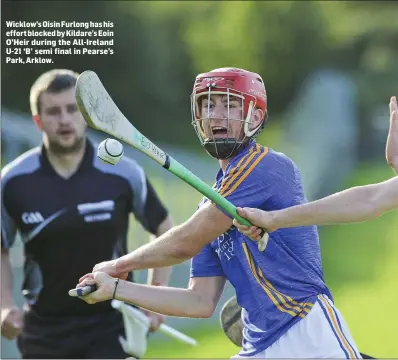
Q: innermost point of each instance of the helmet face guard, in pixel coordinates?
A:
(220, 136)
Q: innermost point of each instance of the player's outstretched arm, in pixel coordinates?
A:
(198, 301)
(177, 245)
(392, 139)
(356, 204)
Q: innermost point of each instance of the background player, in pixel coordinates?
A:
(356, 204)
(72, 211)
(287, 308)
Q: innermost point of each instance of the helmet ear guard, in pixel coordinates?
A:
(254, 132)
(249, 133)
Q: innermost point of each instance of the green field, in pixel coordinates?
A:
(360, 264)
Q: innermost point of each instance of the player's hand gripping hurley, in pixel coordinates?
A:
(101, 113)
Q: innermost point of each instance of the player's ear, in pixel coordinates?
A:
(37, 121)
(257, 117)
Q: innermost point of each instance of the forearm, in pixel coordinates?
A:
(180, 243)
(353, 205)
(164, 300)
(167, 250)
(7, 299)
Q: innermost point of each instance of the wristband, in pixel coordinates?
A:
(114, 291)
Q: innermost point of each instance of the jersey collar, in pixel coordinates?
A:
(235, 160)
(86, 163)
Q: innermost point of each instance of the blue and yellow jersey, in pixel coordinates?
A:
(277, 287)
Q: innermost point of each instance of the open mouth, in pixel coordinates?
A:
(219, 131)
(65, 132)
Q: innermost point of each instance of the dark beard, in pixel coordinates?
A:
(56, 148)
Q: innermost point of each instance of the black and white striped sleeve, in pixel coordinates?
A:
(8, 226)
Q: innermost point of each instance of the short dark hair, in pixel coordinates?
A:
(52, 81)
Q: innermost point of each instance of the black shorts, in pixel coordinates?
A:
(91, 337)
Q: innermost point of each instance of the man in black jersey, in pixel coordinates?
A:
(72, 211)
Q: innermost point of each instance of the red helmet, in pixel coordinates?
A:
(247, 86)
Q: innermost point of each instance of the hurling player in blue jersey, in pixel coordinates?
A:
(288, 310)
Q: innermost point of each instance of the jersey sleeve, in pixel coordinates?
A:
(8, 225)
(206, 263)
(263, 180)
(146, 205)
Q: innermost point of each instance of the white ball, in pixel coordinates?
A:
(110, 151)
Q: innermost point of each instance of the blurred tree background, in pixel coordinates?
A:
(160, 46)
